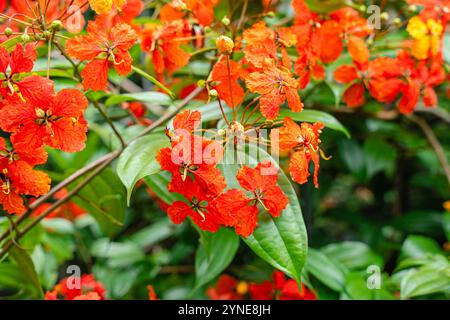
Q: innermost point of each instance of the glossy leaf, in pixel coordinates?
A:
(138, 160)
(282, 241)
(214, 254)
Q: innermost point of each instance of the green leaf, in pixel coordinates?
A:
(353, 156)
(352, 255)
(306, 115)
(282, 241)
(427, 280)
(325, 6)
(210, 111)
(214, 254)
(158, 184)
(356, 287)
(419, 247)
(325, 270)
(379, 156)
(104, 198)
(158, 98)
(10, 44)
(154, 233)
(315, 116)
(26, 266)
(119, 254)
(138, 160)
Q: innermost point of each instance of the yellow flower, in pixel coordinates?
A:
(417, 28)
(420, 48)
(435, 27)
(446, 205)
(105, 6)
(426, 36)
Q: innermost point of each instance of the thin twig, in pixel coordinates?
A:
(109, 121)
(434, 142)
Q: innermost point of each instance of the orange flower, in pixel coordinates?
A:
(162, 43)
(55, 120)
(260, 44)
(303, 141)
(226, 288)
(102, 49)
(202, 10)
(276, 85)
(89, 289)
(226, 83)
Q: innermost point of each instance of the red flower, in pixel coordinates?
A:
(304, 142)
(192, 156)
(381, 76)
(198, 206)
(202, 10)
(151, 293)
(66, 289)
(226, 83)
(276, 85)
(240, 210)
(227, 288)
(54, 120)
(18, 176)
(12, 86)
(280, 289)
(17, 162)
(103, 48)
(165, 48)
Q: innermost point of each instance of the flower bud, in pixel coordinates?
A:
(47, 34)
(225, 21)
(270, 14)
(412, 8)
(57, 25)
(8, 32)
(25, 38)
(207, 29)
(224, 44)
(397, 22)
(384, 16)
(201, 83)
(213, 93)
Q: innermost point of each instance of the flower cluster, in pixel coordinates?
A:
(84, 288)
(192, 161)
(34, 116)
(280, 288)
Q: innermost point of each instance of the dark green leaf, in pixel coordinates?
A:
(214, 254)
(26, 266)
(325, 270)
(282, 241)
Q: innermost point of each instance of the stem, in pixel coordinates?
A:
(111, 124)
(152, 80)
(200, 51)
(230, 86)
(53, 207)
(74, 65)
(170, 114)
(223, 113)
(58, 187)
(434, 142)
(108, 158)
